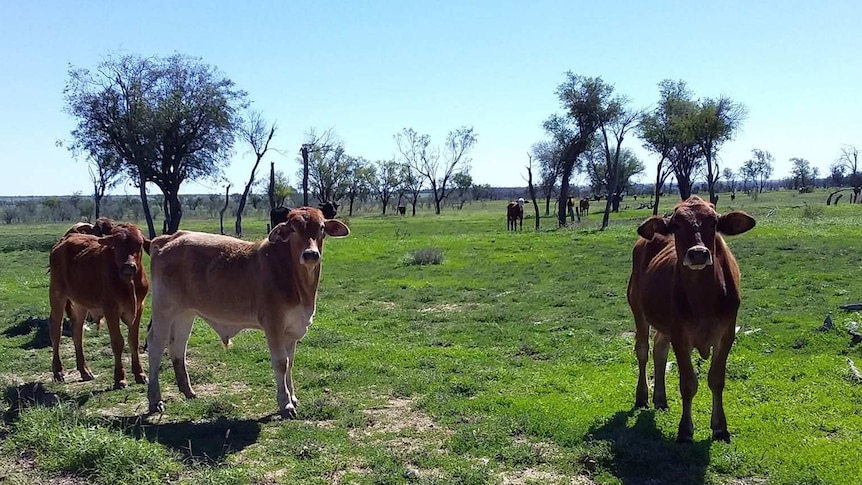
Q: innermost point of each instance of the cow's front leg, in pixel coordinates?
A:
(688, 388)
(112, 318)
(180, 332)
(717, 372)
(76, 320)
(291, 352)
(55, 330)
(275, 339)
(134, 342)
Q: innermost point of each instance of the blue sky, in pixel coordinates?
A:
(369, 68)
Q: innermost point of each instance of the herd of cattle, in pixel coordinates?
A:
(684, 284)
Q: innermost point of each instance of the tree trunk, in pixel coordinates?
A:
(561, 202)
(304, 176)
(175, 211)
(548, 204)
(97, 202)
(684, 186)
(223, 209)
(350, 208)
(145, 204)
(385, 201)
(271, 190)
(532, 192)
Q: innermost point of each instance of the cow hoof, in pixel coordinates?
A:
(641, 405)
(59, 377)
(141, 379)
(295, 402)
(190, 395)
(86, 375)
(121, 384)
(661, 406)
(684, 439)
(159, 407)
(721, 435)
(289, 412)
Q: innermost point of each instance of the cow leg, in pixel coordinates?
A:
(55, 329)
(77, 315)
(687, 387)
(716, 384)
(157, 340)
(180, 332)
(661, 345)
(112, 318)
(134, 342)
(291, 351)
(278, 356)
(642, 352)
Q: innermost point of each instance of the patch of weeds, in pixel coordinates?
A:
(219, 408)
(64, 440)
(424, 256)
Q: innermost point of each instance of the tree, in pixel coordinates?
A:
(531, 188)
(801, 172)
(412, 185)
(359, 175)
(169, 119)
(836, 173)
(463, 182)
(386, 180)
(224, 208)
(614, 123)
(105, 172)
(328, 170)
(730, 176)
(426, 161)
(584, 100)
(715, 122)
(748, 173)
(314, 143)
(760, 167)
(849, 159)
(547, 153)
(258, 134)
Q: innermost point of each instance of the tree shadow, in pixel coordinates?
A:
(208, 441)
(38, 329)
(642, 455)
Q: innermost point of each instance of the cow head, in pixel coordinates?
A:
(103, 226)
(304, 232)
(126, 241)
(694, 224)
(329, 208)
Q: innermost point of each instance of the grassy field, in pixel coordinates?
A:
(510, 362)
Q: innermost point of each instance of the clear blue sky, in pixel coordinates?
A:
(370, 68)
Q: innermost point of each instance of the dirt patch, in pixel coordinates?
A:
(448, 308)
(22, 471)
(399, 415)
(534, 476)
(628, 334)
(386, 305)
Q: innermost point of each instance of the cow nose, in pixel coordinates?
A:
(129, 269)
(698, 256)
(310, 256)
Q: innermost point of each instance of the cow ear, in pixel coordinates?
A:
(336, 228)
(281, 232)
(652, 226)
(734, 223)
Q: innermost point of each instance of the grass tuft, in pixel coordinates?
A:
(424, 256)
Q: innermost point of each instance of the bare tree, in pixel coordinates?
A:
(314, 143)
(548, 154)
(224, 208)
(614, 124)
(531, 188)
(359, 175)
(328, 168)
(258, 134)
(105, 171)
(426, 161)
(715, 122)
(386, 181)
(412, 185)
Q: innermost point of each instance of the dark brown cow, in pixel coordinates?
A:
(584, 206)
(105, 274)
(515, 214)
(329, 209)
(232, 284)
(685, 284)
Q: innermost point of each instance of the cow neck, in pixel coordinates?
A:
(298, 282)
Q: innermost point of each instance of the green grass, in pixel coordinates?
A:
(509, 361)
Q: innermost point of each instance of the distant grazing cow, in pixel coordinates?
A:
(233, 285)
(402, 210)
(584, 205)
(105, 274)
(515, 214)
(329, 208)
(685, 284)
(277, 215)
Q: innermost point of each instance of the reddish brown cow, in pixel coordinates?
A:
(233, 285)
(515, 214)
(685, 284)
(104, 273)
(102, 227)
(584, 206)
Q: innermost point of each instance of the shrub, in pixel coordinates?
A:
(422, 257)
(812, 212)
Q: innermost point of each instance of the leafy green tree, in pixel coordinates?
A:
(385, 181)
(801, 172)
(169, 119)
(715, 122)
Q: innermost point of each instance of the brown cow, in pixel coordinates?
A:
(105, 274)
(233, 285)
(515, 214)
(102, 227)
(685, 284)
(584, 206)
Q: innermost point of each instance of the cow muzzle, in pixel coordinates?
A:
(128, 269)
(697, 258)
(310, 257)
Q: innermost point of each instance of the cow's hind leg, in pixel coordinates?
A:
(291, 352)
(661, 345)
(112, 318)
(716, 384)
(180, 332)
(687, 387)
(642, 352)
(55, 329)
(77, 315)
(158, 334)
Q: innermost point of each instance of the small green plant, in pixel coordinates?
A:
(812, 212)
(422, 257)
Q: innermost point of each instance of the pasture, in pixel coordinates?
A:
(510, 362)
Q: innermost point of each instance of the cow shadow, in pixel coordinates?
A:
(208, 442)
(31, 394)
(36, 327)
(642, 455)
